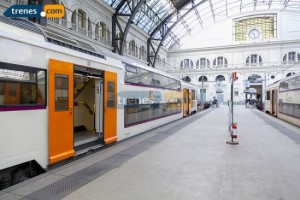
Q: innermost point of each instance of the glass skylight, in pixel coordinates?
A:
(192, 19)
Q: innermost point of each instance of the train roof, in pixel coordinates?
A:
(276, 83)
(290, 77)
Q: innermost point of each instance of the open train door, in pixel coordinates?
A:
(110, 107)
(190, 101)
(60, 111)
(274, 102)
(185, 102)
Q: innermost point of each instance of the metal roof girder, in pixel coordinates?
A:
(285, 3)
(120, 5)
(128, 24)
(270, 3)
(115, 39)
(254, 4)
(212, 10)
(170, 28)
(116, 23)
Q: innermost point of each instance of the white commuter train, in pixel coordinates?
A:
(59, 97)
(283, 99)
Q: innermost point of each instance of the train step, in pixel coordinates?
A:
(86, 150)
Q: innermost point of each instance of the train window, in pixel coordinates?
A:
(144, 77)
(140, 113)
(283, 86)
(110, 94)
(131, 69)
(156, 80)
(165, 82)
(2, 84)
(131, 75)
(61, 92)
(291, 84)
(289, 105)
(294, 83)
(21, 86)
(13, 89)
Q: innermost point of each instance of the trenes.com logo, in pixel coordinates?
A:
(50, 10)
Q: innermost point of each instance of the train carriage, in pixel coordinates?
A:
(289, 100)
(60, 98)
(283, 99)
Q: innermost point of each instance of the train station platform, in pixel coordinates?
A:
(186, 159)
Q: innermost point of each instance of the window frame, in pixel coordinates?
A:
(155, 81)
(220, 76)
(291, 57)
(186, 64)
(220, 62)
(34, 106)
(254, 60)
(141, 110)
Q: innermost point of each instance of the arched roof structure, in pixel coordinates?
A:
(167, 22)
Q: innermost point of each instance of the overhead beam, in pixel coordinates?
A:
(285, 4)
(134, 8)
(226, 7)
(241, 6)
(197, 14)
(128, 25)
(270, 3)
(254, 4)
(185, 25)
(167, 31)
(120, 5)
(212, 10)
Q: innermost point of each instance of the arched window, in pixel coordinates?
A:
(73, 20)
(78, 21)
(220, 78)
(132, 48)
(255, 78)
(142, 53)
(90, 28)
(290, 74)
(202, 63)
(204, 78)
(187, 79)
(101, 32)
(186, 64)
(254, 60)
(220, 62)
(291, 58)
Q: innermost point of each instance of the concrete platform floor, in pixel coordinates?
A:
(188, 159)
